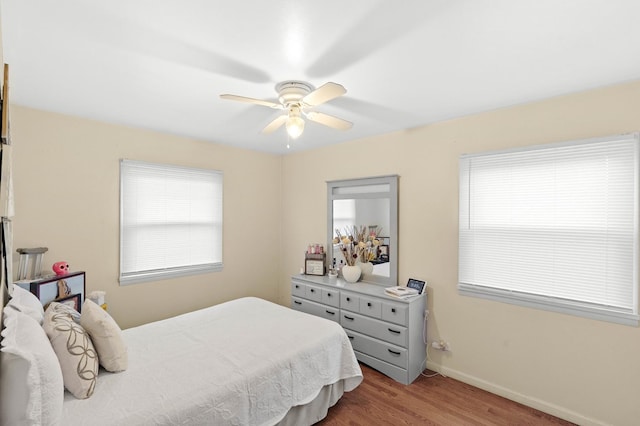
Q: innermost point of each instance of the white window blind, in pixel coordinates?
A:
(344, 214)
(553, 227)
(170, 221)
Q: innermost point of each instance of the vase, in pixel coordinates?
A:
(351, 273)
(366, 268)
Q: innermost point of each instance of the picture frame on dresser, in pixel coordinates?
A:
(58, 287)
(315, 264)
(384, 252)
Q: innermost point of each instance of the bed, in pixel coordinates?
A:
(244, 362)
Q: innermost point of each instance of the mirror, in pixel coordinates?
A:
(370, 205)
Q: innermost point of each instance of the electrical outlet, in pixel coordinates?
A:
(441, 345)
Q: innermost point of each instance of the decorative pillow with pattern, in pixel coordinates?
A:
(75, 315)
(74, 349)
(105, 335)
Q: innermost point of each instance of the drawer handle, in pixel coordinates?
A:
(393, 310)
(313, 291)
(393, 352)
(394, 331)
(297, 286)
(329, 312)
(348, 299)
(369, 304)
(349, 318)
(328, 294)
(297, 302)
(350, 337)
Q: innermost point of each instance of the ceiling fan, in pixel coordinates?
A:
(297, 98)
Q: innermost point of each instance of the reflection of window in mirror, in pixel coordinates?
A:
(344, 214)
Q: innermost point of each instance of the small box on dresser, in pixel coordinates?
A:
(386, 333)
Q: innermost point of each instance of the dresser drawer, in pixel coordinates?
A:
(375, 328)
(301, 305)
(298, 289)
(316, 309)
(331, 297)
(370, 307)
(313, 293)
(395, 313)
(381, 350)
(349, 301)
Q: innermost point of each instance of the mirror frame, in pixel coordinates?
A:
(341, 189)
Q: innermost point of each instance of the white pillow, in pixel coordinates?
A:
(76, 354)
(26, 302)
(31, 381)
(105, 335)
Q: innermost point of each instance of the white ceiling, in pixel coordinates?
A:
(162, 64)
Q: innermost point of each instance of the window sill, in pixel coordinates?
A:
(136, 278)
(570, 307)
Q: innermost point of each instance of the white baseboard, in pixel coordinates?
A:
(529, 401)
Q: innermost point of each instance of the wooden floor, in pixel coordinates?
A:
(380, 400)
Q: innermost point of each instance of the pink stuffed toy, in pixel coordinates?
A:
(61, 268)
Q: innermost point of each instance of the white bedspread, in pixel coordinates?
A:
(244, 362)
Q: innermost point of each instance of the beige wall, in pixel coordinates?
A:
(66, 175)
(584, 370)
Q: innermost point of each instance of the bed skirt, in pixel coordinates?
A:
(315, 410)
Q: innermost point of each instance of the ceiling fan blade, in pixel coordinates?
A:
(251, 101)
(324, 93)
(329, 120)
(275, 124)
(357, 43)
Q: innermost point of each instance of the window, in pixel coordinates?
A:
(344, 214)
(170, 221)
(553, 227)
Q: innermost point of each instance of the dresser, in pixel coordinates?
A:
(386, 333)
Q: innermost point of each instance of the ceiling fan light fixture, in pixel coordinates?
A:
(297, 98)
(295, 126)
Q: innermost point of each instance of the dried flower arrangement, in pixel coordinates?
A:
(358, 243)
